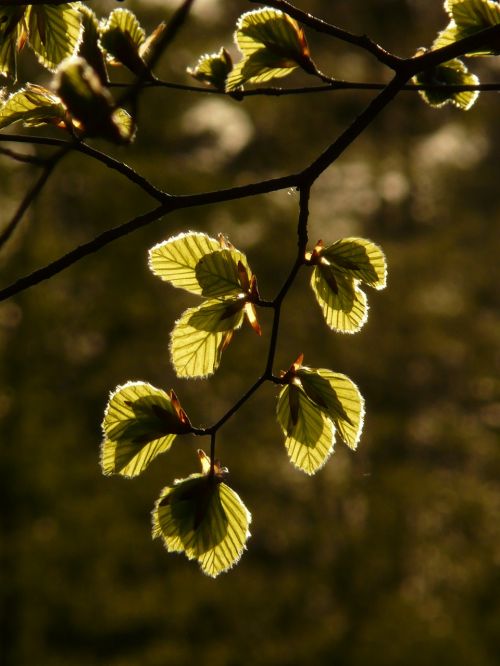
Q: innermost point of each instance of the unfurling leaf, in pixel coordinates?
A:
(140, 422)
(453, 72)
(90, 103)
(467, 18)
(122, 37)
(199, 264)
(32, 106)
(338, 397)
(205, 519)
(339, 269)
(272, 45)
(55, 32)
(213, 69)
(201, 335)
(314, 404)
(309, 433)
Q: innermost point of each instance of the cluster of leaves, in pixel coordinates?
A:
(467, 17)
(200, 515)
(69, 40)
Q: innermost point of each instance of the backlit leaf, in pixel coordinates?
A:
(121, 37)
(453, 72)
(90, 103)
(343, 303)
(467, 18)
(272, 45)
(32, 106)
(140, 422)
(197, 263)
(310, 434)
(213, 68)
(55, 32)
(205, 519)
(338, 270)
(201, 335)
(338, 397)
(358, 258)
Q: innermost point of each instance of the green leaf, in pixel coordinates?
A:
(453, 72)
(213, 68)
(467, 18)
(272, 45)
(140, 422)
(358, 258)
(310, 434)
(199, 264)
(90, 103)
(338, 270)
(205, 519)
(343, 303)
(12, 38)
(89, 48)
(201, 335)
(122, 37)
(55, 32)
(32, 106)
(338, 397)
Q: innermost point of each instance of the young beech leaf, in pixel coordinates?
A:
(338, 271)
(12, 38)
(199, 264)
(201, 335)
(32, 106)
(213, 69)
(338, 397)
(90, 103)
(205, 519)
(89, 48)
(140, 422)
(453, 72)
(272, 45)
(122, 37)
(55, 32)
(467, 18)
(310, 434)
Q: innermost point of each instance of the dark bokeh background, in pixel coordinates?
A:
(387, 556)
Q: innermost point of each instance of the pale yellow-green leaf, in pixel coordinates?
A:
(467, 18)
(344, 305)
(55, 32)
(124, 124)
(339, 397)
(453, 72)
(201, 334)
(272, 45)
(205, 519)
(197, 263)
(32, 106)
(309, 432)
(122, 37)
(358, 258)
(213, 68)
(140, 422)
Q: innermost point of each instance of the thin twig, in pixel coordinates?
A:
(31, 195)
(105, 159)
(362, 41)
(21, 157)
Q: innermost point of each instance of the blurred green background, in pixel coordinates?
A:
(387, 556)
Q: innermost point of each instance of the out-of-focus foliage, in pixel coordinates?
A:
(384, 558)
